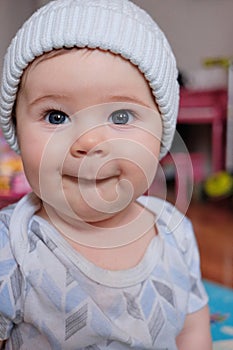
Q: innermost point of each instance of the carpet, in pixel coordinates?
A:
(221, 310)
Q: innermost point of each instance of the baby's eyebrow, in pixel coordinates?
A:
(129, 99)
(45, 97)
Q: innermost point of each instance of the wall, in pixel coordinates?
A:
(12, 14)
(196, 28)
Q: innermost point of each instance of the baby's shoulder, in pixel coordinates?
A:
(171, 223)
(5, 216)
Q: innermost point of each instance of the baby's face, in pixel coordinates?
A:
(89, 133)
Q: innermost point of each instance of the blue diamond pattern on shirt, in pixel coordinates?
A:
(156, 323)
(16, 285)
(16, 339)
(164, 291)
(100, 324)
(76, 321)
(194, 287)
(74, 297)
(69, 278)
(147, 298)
(51, 290)
(6, 267)
(133, 307)
(3, 326)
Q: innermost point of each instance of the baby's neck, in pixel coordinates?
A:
(117, 258)
(112, 248)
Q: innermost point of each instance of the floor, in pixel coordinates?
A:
(213, 225)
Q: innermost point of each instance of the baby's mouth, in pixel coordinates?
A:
(100, 180)
(96, 189)
(88, 180)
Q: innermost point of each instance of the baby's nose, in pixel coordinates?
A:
(92, 143)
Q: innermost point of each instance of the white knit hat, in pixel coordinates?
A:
(115, 25)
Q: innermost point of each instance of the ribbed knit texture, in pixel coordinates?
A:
(115, 25)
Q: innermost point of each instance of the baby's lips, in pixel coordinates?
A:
(93, 175)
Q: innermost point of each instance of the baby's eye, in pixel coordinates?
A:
(57, 117)
(122, 117)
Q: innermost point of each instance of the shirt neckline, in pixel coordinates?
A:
(110, 278)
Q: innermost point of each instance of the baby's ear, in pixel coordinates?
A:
(13, 115)
(14, 119)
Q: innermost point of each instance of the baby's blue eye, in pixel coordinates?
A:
(121, 117)
(57, 117)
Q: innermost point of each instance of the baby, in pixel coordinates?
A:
(89, 98)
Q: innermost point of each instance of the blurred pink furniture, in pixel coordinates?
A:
(207, 107)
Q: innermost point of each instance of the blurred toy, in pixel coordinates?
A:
(219, 186)
(218, 317)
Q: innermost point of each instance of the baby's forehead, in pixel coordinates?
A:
(88, 56)
(51, 54)
(82, 53)
(42, 58)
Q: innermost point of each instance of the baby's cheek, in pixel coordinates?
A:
(31, 169)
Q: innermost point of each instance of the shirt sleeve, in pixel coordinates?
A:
(197, 295)
(10, 286)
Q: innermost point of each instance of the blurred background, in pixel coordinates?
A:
(198, 173)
